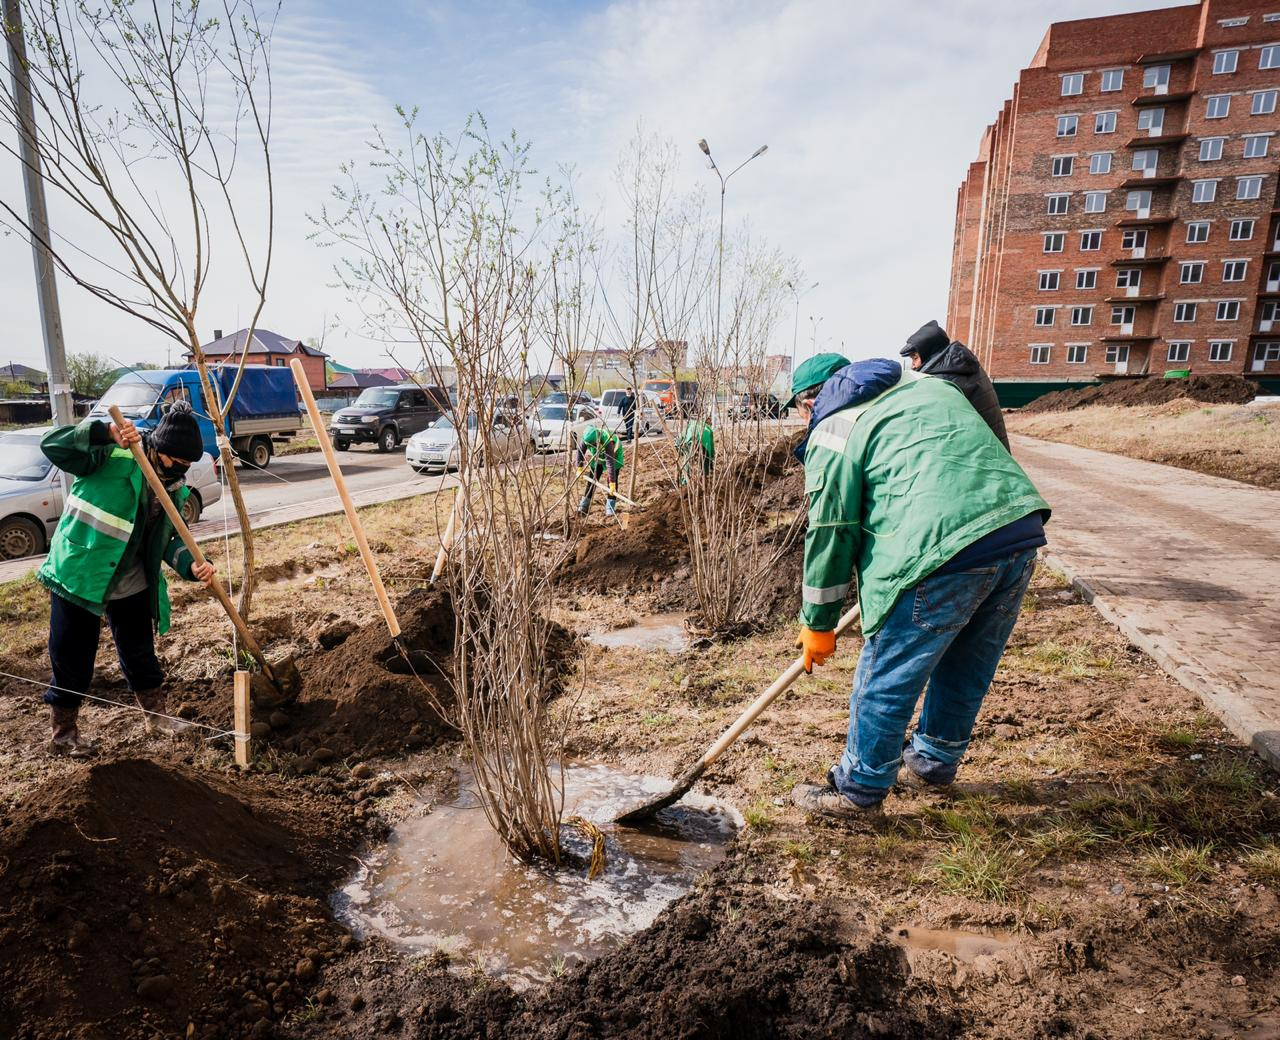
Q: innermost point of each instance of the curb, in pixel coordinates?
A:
(1232, 708)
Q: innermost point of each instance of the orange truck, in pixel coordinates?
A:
(675, 397)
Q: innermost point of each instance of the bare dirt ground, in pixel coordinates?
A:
(1108, 866)
(1234, 441)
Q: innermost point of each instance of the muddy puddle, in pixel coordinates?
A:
(444, 881)
(962, 945)
(655, 632)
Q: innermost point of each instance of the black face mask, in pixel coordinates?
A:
(174, 472)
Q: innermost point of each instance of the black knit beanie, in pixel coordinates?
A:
(177, 434)
(929, 339)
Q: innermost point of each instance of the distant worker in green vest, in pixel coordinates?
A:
(600, 450)
(105, 562)
(696, 444)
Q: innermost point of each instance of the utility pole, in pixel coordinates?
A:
(55, 354)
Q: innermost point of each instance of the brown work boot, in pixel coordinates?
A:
(66, 734)
(158, 721)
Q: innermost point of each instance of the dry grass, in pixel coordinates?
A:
(1234, 441)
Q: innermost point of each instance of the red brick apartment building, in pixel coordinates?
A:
(1122, 214)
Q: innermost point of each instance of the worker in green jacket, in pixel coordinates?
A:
(696, 444)
(600, 450)
(105, 558)
(910, 493)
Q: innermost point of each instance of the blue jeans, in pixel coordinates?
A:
(948, 632)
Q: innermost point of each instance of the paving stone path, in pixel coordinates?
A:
(1187, 565)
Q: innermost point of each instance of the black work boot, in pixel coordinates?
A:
(158, 720)
(66, 734)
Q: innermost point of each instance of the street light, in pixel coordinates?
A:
(814, 323)
(795, 332)
(724, 182)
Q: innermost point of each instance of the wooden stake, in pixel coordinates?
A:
(242, 717)
(357, 528)
(447, 540)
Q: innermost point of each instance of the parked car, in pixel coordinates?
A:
(264, 409)
(756, 406)
(647, 422)
(387, 416)
(31, 493)
(438, 448)
(565, 397)
(558, 427)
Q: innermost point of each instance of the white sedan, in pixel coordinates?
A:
(437, 447)
(555, 429)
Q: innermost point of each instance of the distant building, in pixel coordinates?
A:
(32, 377)
(358, 380)
(1121, 216)
(268, 348)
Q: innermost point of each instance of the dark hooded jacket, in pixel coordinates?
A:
(957, 364)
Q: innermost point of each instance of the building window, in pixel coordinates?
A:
(1270, 311)
(1063, 165)
(1057, 204)
(1055, 242)
(1049, 280)
(1256, 146)
(1138, 201)
(1179, 351)
(1225, 61)
(1146, 158)
(1191, 273)
(1204, 191)
(1073, 84)
(1044, 316)
(1151, 120)
(1219, 350)
(1264, 103)
(1267, 352)
(1067, 125)
(1095, 201)
(1233, 23)
(1090, 240)
(1228, 310)
(1134, 238)
(1128, 278)
(1234, 270)
(1217, 106)
(1211, 149)
(1104, 122)
(1184, 312)
(1081, 315)
(1117, 353)
(1112, 80)
(1241, 230)
(1077, 353)
(1156, 77)
(1269, 57)
(1040, 353)
(1198, 231)
(1123, 315)
(1100, 162)
(1248, 187)
(1087, 279)
(1271, 17)
(1273, 275)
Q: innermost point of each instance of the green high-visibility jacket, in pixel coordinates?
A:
(97, 533)
(896, 487)
(598, 444)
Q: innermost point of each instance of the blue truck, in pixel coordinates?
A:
(265, 408)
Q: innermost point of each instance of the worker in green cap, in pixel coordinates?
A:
(696, 445)
(910, 493)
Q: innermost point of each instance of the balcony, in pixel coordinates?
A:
(1141, 261)
(1168, 58)
(1128, 337)
(1148, 298)
(1149, 182)
(1145, 221)
(1161, 99)
(1151, 142)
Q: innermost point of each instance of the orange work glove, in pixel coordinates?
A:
(816, 647)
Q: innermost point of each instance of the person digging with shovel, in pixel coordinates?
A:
(105, 559)
(604, 449)
(910, 492)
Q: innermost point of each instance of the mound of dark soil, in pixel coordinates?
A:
(143, 898)
(614, 559)
(1150, 390)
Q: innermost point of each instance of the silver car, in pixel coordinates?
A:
(31, 493)
(437, 447)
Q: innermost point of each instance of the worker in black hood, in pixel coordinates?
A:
(932, 351)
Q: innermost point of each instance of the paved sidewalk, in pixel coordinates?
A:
(1186, 565)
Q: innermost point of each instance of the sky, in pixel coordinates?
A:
(872, 111)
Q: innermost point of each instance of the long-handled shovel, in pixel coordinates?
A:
(686, 782)
(284, 674)
(357, 528)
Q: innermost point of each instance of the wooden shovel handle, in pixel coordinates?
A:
(357, 528)
(780, 684)
(179, 525)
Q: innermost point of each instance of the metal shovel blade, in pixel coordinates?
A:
(643, 813)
